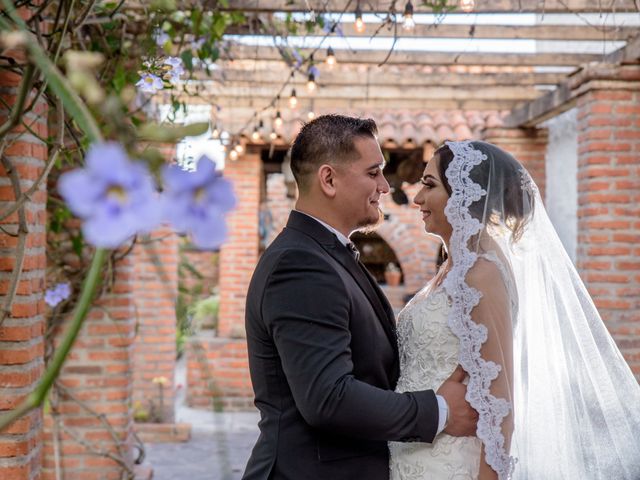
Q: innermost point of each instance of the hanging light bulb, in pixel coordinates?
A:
(293, 100)
(331, 58)
(311, 82)
(360, 26)
(255, 136)
(233, 155)
(408, 23)
(311, 115)
(273, 135)
(215, 133)
(239, 149)
(467, 5)
(278, 120)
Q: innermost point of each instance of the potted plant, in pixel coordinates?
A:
(392, 275)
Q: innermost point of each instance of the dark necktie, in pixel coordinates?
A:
(354, 251)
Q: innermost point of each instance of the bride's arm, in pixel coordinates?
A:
(494, 312)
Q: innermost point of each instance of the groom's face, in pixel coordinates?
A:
(360, 185)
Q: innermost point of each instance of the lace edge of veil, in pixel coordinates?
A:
(471, 335)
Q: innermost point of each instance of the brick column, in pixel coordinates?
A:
(154, 291)
(217, 367)
(21, 333)
(527, 145)
(608, 198)
(98, 378)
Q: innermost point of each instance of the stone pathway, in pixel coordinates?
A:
(219, 447)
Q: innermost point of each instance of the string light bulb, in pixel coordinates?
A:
(408, 23)
(311, 82)
(273, 135)
(360, 26)
(278, 120)
(311, 115)
(215, 133)
(293, 99)
(255, 136)
(467, 5)
(331, 58)
(239, 149)
(233, 155)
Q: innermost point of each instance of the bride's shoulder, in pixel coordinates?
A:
(485, 274)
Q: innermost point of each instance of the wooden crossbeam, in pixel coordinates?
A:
(517, 93)
(535, 32)
(427, 58)
(375, 76)
(482, 6)
(328, 104)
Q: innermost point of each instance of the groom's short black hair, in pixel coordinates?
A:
(327, 140)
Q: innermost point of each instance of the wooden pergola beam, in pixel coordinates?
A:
(384, 92)
(376, 57)
(228, 103)
(534, 32)
(374, 76)
(484, 6)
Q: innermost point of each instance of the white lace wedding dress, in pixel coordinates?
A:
(428, 355)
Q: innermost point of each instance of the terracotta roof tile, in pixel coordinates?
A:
(401, 127)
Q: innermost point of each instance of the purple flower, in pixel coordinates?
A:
(114, 196)
(53, 296)
(298, 58)
(197, 44)
(161, 37)
(149, 83)
(196, 202)
(177, 69)
(314, 70)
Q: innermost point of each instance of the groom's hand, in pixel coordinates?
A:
(463, 419)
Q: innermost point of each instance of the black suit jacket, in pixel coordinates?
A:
(324, 361)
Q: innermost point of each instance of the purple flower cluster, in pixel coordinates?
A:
(116, 199)
(53, 296)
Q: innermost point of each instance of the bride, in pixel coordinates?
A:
(555, 398)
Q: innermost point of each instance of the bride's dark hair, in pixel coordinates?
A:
(511, 200)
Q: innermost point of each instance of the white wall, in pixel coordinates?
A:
(561, 178)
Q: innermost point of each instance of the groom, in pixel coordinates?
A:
(321, 335)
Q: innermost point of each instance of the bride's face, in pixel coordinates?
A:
(432, 198)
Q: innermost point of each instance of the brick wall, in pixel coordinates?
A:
(21, 334)
(217, 367)
(608, 213)
(239, 254)
(98, 379)
(154, 291)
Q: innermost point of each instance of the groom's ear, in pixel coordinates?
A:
(327, 178)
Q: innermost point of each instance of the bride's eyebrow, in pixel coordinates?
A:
(428, 177)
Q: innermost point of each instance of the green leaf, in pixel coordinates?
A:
(77, 243)
(187, 59)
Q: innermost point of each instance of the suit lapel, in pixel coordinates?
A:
(363, 278)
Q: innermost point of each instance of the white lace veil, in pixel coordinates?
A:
(555, 396)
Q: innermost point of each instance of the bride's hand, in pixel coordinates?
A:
(463, 419)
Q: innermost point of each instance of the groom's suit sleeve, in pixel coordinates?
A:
(306, 309)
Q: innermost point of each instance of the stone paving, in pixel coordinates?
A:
(219, 447)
